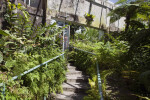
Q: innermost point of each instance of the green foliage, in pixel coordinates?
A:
(137, 14)
(142, 97)
(136, 11)
(109, 56)
(104, 75)
(144, 80)
(109, 53)
(89, 18)
(25, 46)
(127, 53)
(93, 93)
(88, 35)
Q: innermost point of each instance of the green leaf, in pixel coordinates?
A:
(5, 33)
(25, 15)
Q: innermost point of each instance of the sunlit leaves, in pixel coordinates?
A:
(24, 46)
(4, 32)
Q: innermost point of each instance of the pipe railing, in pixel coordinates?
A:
(26, 72)
(98, 73)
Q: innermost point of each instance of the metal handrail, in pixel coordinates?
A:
(98, 73)
(26, 72)
(84, 51)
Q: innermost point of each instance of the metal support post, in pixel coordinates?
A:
(63, 44)
(29, 2)
(25, 1)
(68, 36)
(63, 50)
(99, 81)
(101, 34)
(44, 97)
(3, 92)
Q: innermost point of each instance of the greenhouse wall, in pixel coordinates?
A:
(74, 11)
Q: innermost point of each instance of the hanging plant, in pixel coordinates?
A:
(89, 18)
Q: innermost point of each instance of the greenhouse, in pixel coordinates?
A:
(74, 49)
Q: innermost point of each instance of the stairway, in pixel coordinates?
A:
(76, 85)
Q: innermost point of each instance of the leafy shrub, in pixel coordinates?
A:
(88, 34)
(109, 57)
(93, 92)
(25, 46)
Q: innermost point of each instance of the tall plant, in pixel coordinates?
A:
(23, 47)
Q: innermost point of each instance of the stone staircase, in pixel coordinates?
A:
(76, 85)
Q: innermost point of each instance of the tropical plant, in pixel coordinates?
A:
(24, 46)
(89, 18)
(93, 93)
(88, 34)
(135, 13)
(109, 57)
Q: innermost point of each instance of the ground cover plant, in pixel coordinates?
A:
(24, 46)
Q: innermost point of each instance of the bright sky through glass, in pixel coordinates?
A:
(114, 1)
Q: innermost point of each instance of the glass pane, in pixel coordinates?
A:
(34, 3)
(27, 2)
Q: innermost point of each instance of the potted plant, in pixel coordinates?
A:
(89, 18)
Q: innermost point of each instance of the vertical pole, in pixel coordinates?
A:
(76, 11)
(29, 2)
(90, 7)
(25, 1)
(63, 41)
(101, 34)
(106, 16)
(3, 92)
(118, 25)
(101, 16)
(99, 81)
(68, 36)
(44, 97)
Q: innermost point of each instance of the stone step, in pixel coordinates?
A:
(62, 97)
(70, 96)
(74, 73)
(72, 68)
(75, 79)
(75, 87)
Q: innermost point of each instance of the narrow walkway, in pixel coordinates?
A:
(75, 86)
